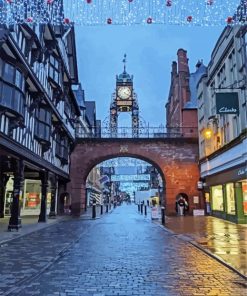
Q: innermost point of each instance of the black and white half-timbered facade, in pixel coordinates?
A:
(38, 112)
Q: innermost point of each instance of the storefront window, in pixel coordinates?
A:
(230, 197)
(217, 198)
(244, 189)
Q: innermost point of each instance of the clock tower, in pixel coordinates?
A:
(124, 99)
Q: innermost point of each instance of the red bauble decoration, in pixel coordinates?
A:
(210, 2)
(109, 21)
(29, 19)
(89, 1)
(66, 21)
(149, 20)
(49, 2)
(229, 20)
(9, 1)
(189, 18)
(169, 3)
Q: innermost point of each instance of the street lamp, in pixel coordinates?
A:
(207, 133)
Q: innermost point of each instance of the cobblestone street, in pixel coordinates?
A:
(119, 254)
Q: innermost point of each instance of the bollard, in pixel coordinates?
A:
(138, 208)
(145, 210)
(106, 209)
(163, 217)
(101, 209)
(94, 211)
(141, 208)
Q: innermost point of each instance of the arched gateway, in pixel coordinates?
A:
(176, 159)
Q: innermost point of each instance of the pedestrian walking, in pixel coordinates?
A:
(180, 206)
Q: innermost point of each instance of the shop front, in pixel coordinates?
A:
(30, 199)
(226, 193)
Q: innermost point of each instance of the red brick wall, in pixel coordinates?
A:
(175, 158)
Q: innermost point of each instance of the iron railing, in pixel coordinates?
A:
(142, 132)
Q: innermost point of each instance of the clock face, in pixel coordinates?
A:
(124, 92)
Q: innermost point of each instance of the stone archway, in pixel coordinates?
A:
(176, 159)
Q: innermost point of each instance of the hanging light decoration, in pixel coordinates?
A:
(205, 12)
(210, 2)
(169, 3)
(229, 20)
(109, 21)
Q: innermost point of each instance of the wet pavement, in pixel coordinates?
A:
(30, 224)
(120, 254)
(225, 240)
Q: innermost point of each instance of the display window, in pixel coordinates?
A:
(230, 199)
(244, 190)
(217, 198)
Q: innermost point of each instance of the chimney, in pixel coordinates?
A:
(182, 61)
(174, 68)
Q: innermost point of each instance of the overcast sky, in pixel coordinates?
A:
(150, 51)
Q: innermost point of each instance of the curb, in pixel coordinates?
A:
(4, 242)
(67, 219)
(199, 247)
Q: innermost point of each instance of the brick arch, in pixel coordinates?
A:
(176, 160)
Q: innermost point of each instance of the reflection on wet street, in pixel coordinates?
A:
(123, 253)
(226, 240)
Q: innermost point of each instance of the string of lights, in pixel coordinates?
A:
(124, 12)
(124, 162)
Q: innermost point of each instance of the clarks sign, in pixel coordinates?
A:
(227, 103)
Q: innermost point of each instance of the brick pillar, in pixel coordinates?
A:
(77, 191)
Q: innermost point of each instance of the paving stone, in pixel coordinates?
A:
(120, 254)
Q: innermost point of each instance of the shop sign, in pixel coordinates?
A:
(227, 103)
(196, 199)
(155, 213)
(242, 172)
(199, 185)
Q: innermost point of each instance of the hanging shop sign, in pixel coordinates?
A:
(227, 103)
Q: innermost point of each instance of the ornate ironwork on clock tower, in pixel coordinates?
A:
(124, 99)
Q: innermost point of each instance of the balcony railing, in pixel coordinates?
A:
(142, 132)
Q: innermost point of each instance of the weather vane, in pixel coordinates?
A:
(125, 61)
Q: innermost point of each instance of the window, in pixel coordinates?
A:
(9, 73)
(11, 98)
(19, 80)
(11, 88)
(67, 107)
(217, 198)
(54, 70)
(62, 151)
(230, 198)
(244, 190)
(43, 124)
